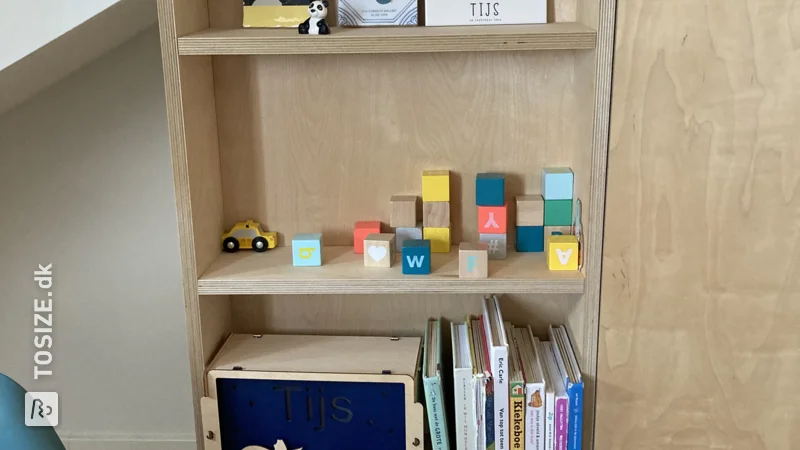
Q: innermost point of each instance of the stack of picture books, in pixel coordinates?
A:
(510, 390)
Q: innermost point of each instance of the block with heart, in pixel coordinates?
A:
(361, 231)
(416, 257)
(561, 252)
(490, 189)
(492, 219)
(557, 212)
(496, 244)
(439, 237)
(436, 186)
(379, 250)
(557, 229)
(473, 260)
(404, 211)
(404, 233)
(436, 214)
(530, 239)
(307, 249)
(557, 183)
(530, 210)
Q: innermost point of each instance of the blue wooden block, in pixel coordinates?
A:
(307, 249)
(557, 183)
(530, 239)
(490, 189)
(416, 257)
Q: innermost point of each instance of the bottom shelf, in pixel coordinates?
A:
(343, 272)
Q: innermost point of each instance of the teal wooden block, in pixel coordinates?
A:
(530, 239)
(490, 189)
(307, 249)
(417, 257)
(557, 212)
(557, 183)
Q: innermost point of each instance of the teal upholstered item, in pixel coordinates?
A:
(13, 432)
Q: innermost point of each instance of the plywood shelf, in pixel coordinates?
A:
(551, 36)
(343, 272)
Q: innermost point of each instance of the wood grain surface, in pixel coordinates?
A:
(700, 317)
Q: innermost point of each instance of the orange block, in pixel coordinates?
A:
(361, 231)
(492, 219)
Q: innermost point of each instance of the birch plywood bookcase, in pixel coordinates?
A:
(309, 134)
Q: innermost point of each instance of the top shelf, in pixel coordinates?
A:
(263, 41)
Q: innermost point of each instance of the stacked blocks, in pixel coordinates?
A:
(404, 219)
(530, 223)
(361, 231)
(473, 260)
(562, 252)
(379, 250)
(436, 209)
(307, 249)
(416, 257)
(492, 213)
(557, 190)
(559, 230)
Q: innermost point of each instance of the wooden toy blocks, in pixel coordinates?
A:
(492, 219)
(557, 229)
(473, 260)
(436, 214)
(496, 244)
(404, 211)
(379, 250)
(530, 210)
(436, 186)
(561, 252)
(557, 212)
(557, 183)
(530, 239)
(439, 238)
(417, 257)
(490, 189)
(361, 231)
(404, 233)
(307, 249)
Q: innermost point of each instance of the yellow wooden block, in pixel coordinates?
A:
(561, 252)
(436, 186)
(439, 237)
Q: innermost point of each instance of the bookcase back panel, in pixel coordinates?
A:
(402, 315)
(316, 143)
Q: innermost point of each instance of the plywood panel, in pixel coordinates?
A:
(701, 282)
(317, 143)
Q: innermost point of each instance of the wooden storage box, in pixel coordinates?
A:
(314, 392)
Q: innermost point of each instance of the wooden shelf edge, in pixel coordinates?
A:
(246, 273)
(551, 36)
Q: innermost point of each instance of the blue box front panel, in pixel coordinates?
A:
(318, 415)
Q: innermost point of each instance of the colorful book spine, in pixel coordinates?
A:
(562, 414)
(575, 394)
(535, 417)
(517, 401)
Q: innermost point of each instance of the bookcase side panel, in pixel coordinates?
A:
(316, 143)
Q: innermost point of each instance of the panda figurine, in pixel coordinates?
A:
(318, 10)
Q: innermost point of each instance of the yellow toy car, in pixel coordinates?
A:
(249, 235)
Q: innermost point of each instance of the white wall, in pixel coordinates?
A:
(27, 25)
(86, 183)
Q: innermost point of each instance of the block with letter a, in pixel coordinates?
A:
(492, 219)
(561, 252)
(417, 257)
(307, 249)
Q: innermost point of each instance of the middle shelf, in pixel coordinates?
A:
(343, 272)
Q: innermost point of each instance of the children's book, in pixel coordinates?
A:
(466, 435)
(534, 389)
(484, 387)
(432, 380)
(573, 382)
(495, 336)
(516, 387)
(549, 397)
(561, 399)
